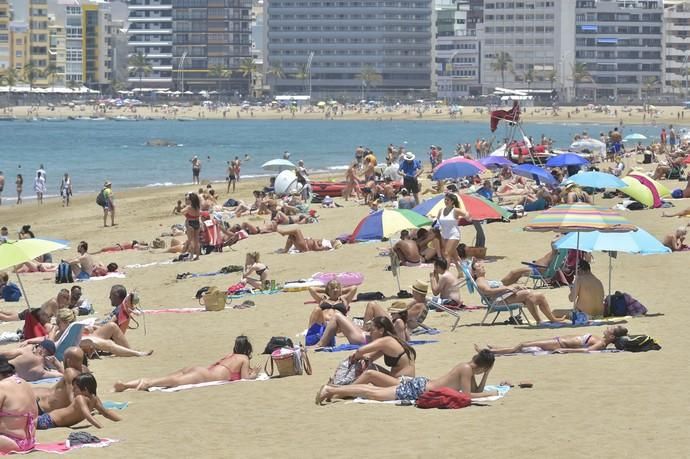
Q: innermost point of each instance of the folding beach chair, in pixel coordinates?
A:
(552, 275)
(71, 337)
(435, 303)
(497, 305)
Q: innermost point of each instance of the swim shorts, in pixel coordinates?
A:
(411, 388)
(315, 333)
(45, 422)
(411, 183)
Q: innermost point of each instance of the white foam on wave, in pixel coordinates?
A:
(156, 185)
(337, 168)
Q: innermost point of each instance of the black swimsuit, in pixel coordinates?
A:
(340, 307)
(392, 361)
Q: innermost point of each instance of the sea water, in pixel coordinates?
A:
(93, 151)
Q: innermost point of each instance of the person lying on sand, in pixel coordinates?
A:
(126, 245)
(534, 301)
(61, 394)
(461, 378)
(85, 401)
(565, 344)
(676, 240)
(33, 266)
(681, 213)
(330, 299)
(232, 367)
(296, 239)
(269, 227)
(34, 362)
(407, 250)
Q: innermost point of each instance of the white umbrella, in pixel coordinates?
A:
(278, 165)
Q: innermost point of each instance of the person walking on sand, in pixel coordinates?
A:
(20, 187)
(196, 169)
(2, 185)
(66, 189)
(39, 186)
(109, 206)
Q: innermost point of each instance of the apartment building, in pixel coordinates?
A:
(38, 38)
(5, 17)
(351, 47)
(676, 47)
(211, 38)
(57, 49)
(19, 45)
(150, 35)
(620, 44)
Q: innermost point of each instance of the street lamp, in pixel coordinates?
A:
(180, 70)
(311, 57)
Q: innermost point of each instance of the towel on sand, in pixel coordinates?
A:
(502, 391)
(539, 351)
(261, 377)
(110, 405)
(62, 446)
(45, 381)
(352, 347)
(590, 323)
(107, 276)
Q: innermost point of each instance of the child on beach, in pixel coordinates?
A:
(177, 210)
(252, 265)
(84, 403)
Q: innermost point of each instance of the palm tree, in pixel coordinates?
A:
(139, 65)
(649, 85)
(302, 73)
(31, 74)
(50, 73)
(72, 84)
(9, 77)
(551, 77)
(276, 71)
(502, 63)
(218, 72)
(528, 77)
(369, 76)
(580, 74)
(248, 70)
(675, 85)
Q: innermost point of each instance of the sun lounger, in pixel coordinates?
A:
(71, 337)
(435, 303)
(548, 276)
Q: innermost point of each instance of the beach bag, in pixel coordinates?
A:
(100, 198)
(616, 306)
(370, 296)
(346, 372)
(158, 243)
(444, 398)
(634, 307)
(213, 299)
(288, 362)
(637, 343)
(11, 293)
(231, 203)
(63, 274)
(277, 342)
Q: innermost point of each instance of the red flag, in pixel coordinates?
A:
(508, 115)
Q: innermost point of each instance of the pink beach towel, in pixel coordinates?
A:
(62, 448)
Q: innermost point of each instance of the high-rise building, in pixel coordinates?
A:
(351, 47)
(676, 46)
(19, 46)
(5, 18)
(211, 39)
(619, 43)
(150, 35)
(57, 49)
(527, 44)
(38, 38)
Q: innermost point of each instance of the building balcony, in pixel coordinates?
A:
(149, 8)
(150, 43)
(150, 19)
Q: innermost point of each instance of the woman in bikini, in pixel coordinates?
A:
(565, 344)
(232, 367)
(331, 299)
(253, 265)
(18, 411)
(296, 239)
(352, 183)
(191, 212)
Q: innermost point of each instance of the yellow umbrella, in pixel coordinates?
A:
(638, 191)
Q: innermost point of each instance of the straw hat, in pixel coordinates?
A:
(408, 156)
(420, 287)
(107, 183)
(397, 307)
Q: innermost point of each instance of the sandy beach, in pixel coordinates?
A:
(588, 405)
(614, 115)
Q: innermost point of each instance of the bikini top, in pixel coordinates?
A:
(339, 306)
(392, 361)
(30, 428)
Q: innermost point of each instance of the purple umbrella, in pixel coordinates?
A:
(496, 161)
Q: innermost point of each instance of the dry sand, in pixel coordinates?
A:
(616, 115)
(632, 405)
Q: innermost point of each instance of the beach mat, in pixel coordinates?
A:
(261, 377)
(107, 276)
(502, 391)
(538, 351)
(62, 448)
(590, 323)
(147, 265)
(353, 347)
(256, 292)
(45, 381)
(119, 406)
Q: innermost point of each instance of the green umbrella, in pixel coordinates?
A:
(13, 253)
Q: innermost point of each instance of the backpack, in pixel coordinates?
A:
(444, 398)
(11, 293)
(63, 274)
(100, 198)
(616, 306)
(636, 343)
(276, 343)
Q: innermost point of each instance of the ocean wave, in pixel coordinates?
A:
(156, 185)
(338, 168)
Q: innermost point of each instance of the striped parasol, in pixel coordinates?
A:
(477, 206)
(578, 217)
(385, 223)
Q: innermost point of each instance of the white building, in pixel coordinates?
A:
(150, 34)
(676, 46)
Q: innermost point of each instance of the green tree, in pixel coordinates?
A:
(302, 73)
(219, 73)
(276, 72)
(551, 77)
(580, 74)
(369, 76)
(650, 83)
(502, 63)
(528, 77)
(139, 65)
(51, 73)
(9, 77)
(31, 74)
(248, 69)
(72, 84)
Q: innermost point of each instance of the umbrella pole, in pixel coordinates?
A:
(577, 263)
(610, 269)
(21, 287)
(397, 277)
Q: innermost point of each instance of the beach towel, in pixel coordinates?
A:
(146, 265)
(589, 323)
(425, 331)
(225, 270)
(261, 377)
(45, 381)
(119, 406)
(502, 391)
(242, 293)
(106, 276)
(9, 337)
(536, 351)
(352, 347)
(62, 447)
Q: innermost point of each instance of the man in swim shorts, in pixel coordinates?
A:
(61, 394)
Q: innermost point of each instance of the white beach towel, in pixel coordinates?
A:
(502, 391)
(146, 265)
(107, 276)
(261, 377)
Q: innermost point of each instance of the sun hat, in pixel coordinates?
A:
(107, 183)
(409, 156)
(420, 287)
(397, 307)
(48, 345)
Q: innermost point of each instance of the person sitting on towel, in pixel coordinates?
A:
(587, 291)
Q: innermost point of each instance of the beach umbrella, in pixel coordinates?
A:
(567, 218)
(278, 165)
(496, 161)
(648, 181)
(639, 241)
(638, 191)
(633, 137)
(456, 168)
(477, 206)
(594, 179)
(535, 173)
(589, 144)
(13, 253)
(385, 223)
(566, 159)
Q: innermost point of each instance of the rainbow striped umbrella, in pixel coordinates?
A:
(387, 222)
(567, 218)
(477, 206)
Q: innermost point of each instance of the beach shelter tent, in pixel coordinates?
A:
(663, 191)
(645, 194)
